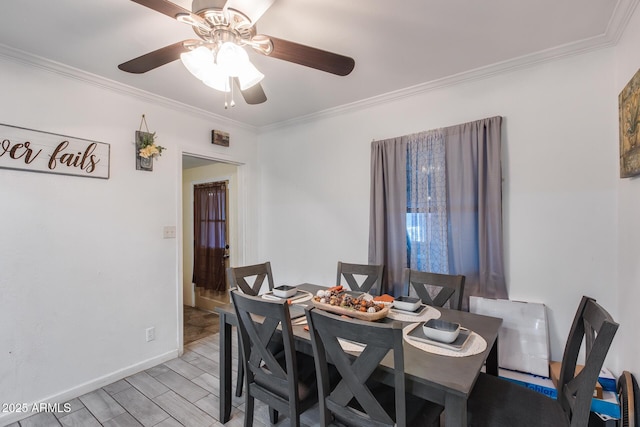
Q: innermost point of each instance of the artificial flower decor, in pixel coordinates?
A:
(148, 147)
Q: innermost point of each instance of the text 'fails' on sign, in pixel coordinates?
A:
(38, 151)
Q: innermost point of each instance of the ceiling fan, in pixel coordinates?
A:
(218, 57)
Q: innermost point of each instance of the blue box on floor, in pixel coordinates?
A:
(607, 380)
(608, 405)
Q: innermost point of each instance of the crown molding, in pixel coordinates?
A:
(615, 29)
(617, 24)
(72, 73)
(620, 19)
(481, 73)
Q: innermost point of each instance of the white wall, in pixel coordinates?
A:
(84, 269)
(560, 172)
(83, 265)
(210, 173)
(627, 64)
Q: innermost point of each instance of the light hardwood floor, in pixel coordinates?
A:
(181, 392)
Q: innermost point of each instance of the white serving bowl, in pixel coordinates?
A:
(441, 330)
(285, 291)
(407, 303)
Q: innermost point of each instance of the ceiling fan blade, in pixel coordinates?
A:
(253, 95)
(163, 6)
(174, 11)
(311, 57)
(159, 57)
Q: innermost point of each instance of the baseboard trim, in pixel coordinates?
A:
(79, 390)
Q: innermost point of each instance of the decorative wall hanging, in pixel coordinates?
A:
(629, 113)
(146, 147)
(219, 137)
(39, 151)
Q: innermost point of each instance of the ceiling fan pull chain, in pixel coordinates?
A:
(233, 103)
(226, 100)
(228, 96)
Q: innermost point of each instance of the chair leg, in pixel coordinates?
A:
(294, 416)
(240, 378)
(248, 411)
(273, 415)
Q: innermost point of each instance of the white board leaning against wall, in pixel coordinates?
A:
(38, 151)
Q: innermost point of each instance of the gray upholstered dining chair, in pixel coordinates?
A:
(237, 278)
(270, 359)
(495, 402)
(444, 287)
(372, 274)
(352, 398)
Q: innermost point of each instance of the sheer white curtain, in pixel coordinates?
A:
(427, 237)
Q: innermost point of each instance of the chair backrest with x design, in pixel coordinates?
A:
(237, 277)
(434, 289)
(340, 400)
(263, 323)
(372, 274)
(595, 326)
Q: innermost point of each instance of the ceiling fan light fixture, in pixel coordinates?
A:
(249, 76)
(232, 58)
(193, 20)
(217, 79)
(198, 61)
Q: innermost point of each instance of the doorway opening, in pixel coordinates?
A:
(210, 243)
(199, 303)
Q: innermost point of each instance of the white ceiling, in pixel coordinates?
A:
(396, 45)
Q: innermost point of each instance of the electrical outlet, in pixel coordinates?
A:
(169, 232)
(151, 334)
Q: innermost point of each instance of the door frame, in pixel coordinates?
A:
(241, 217)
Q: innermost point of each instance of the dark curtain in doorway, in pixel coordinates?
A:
(209, 210)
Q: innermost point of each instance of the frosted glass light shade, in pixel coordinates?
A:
(232, 58)
(249, 76)
(217, 79)
(198, 61)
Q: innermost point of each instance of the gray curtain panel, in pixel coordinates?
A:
(387, 219)
(474, 178)
(474, 203)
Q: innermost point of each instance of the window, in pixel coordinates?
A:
(436, 206)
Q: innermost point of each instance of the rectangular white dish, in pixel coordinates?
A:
(407, 303)
(285, 291)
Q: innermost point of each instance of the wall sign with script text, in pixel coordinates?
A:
(38, 151)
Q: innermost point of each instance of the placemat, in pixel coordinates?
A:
(429, 313)
(475, 345)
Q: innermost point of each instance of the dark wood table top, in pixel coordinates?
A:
(437, 373)
(445, 380)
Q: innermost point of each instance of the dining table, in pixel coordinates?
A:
(438, 378)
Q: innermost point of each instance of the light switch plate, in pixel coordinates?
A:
(169, 232)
